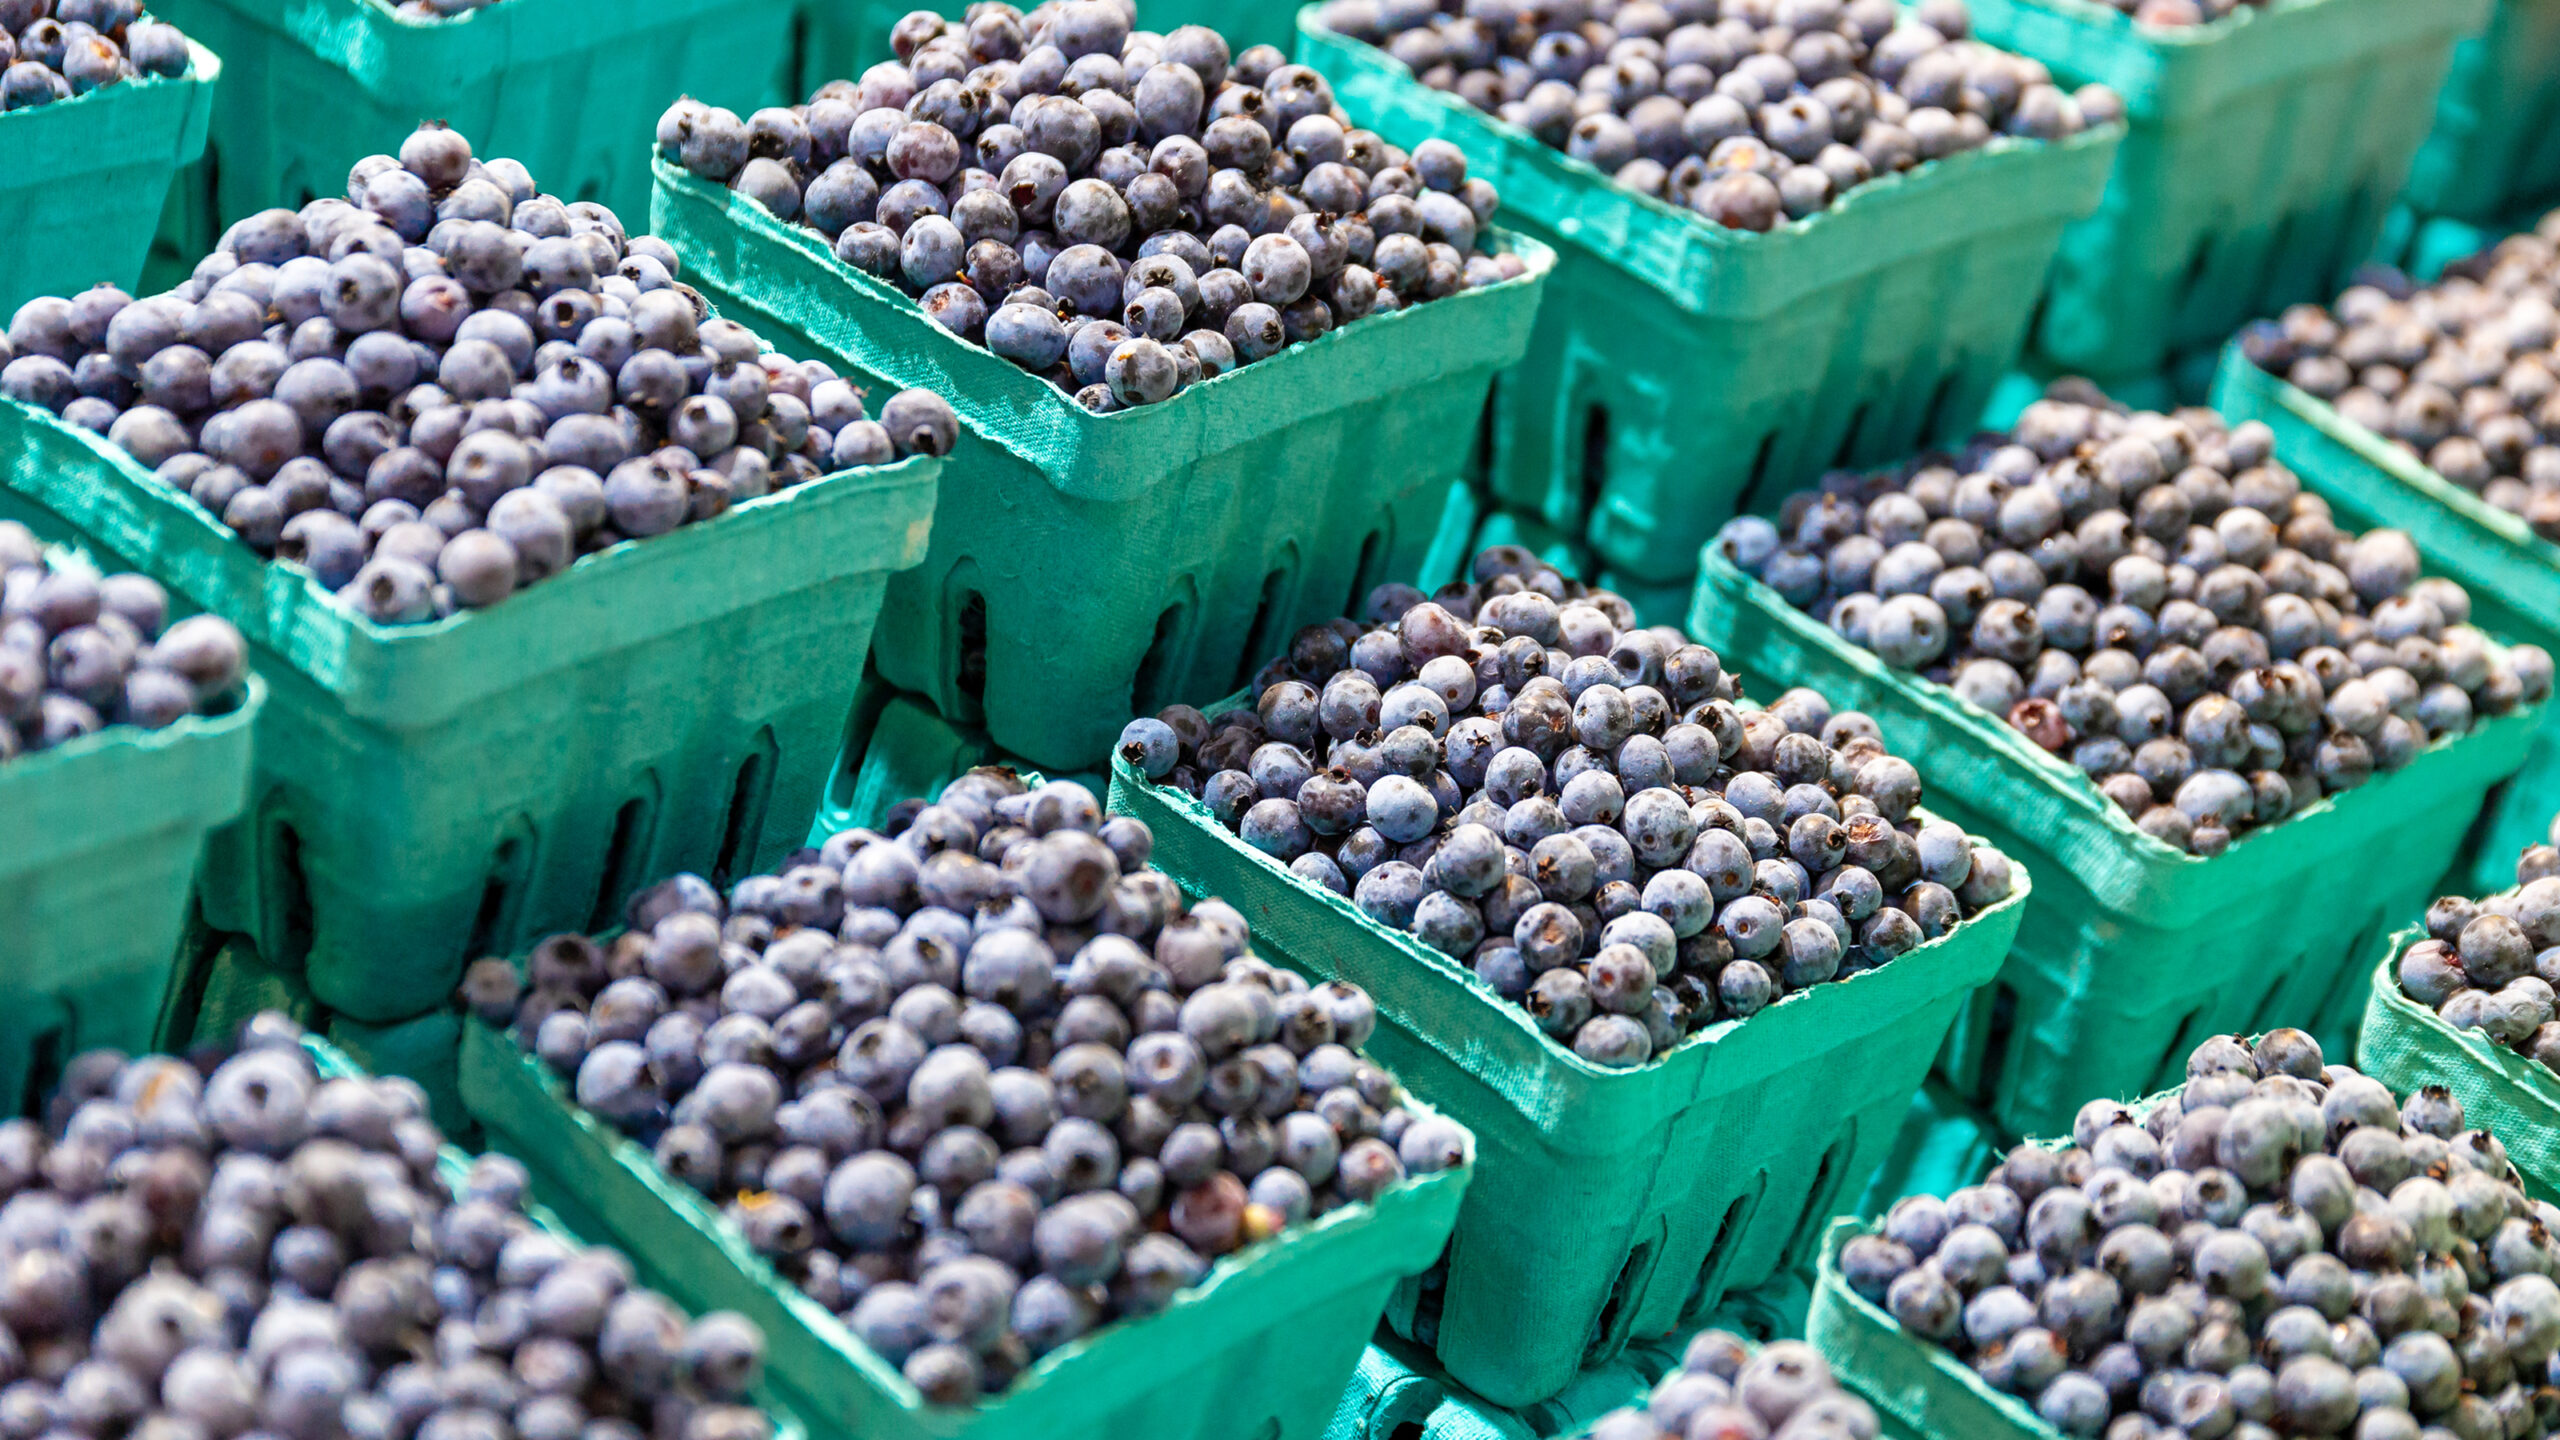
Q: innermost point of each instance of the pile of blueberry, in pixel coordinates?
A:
(2490, 965)
(1518, 776)
(1724, 1390)
(2460, 374)
(236, 1246)
(978, 1087)
(446, 387)
(1122, 213)
(80, 651)
(2156, 598)
(2277, 1248)
(54, 49)
(1751, 113)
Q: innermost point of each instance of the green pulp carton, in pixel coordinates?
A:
(425, 794)
(1624, 1201)
(1087, 566)
(1680, 368)
(100, 841)
(2496, 145)
(571, 88)
(1917, 1388)
(2512, 574)
(2133, 951)
(87, 178)
(2407, 1046)
(1261, 1348)
(896, 747)
(2263, 152)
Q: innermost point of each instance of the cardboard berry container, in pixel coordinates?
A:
(1917, 1388)
(100, 841)
(2407, 1046)
(2132, 951)
(1625, 1202)
(1087, 566)
(2495, 149)
(2512, 574)
(1399, 1394)
(2263, 152)
(426, 794)
(571, 88)
(1261, 1347)
(1680, 368)
(81, 196)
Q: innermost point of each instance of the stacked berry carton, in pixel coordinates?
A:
(1681, 367)
(2492, 153)
(2112, 974)
(2140, 938)
(1269, 1332)
(2265, 149)
(1629, 1200)
(421, 742)
(89, 176)
(1068, 583)
(432, 778)
(2513, 574)
(100, 843)
(2495, 1064)
(2098, 1323)
(315, 85)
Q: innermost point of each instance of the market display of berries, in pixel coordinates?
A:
(978, 1087)
(2490, 965)
(1750, 113)
(446, 387)
(1518, 776)
(1725, 1390)
(55, 49)
(231, 1245)
(2278, 1247)
(2461, 374)
(1120, 212)
(2155, 598)
(81, 651)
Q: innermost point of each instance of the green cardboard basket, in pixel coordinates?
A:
(2265, 149)
(1916, 1388)
(1679, 368)
(428, 793)
(2512, 574)
(572, 88)
(1610, 1204)
(1398, 1393)
(81, 195)
(1260, 1349)
(896, 747)
(2133, 951)
(842, 38)
(1090, 566)
(99, 844)
(2496, 145)
(2407, 1046)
